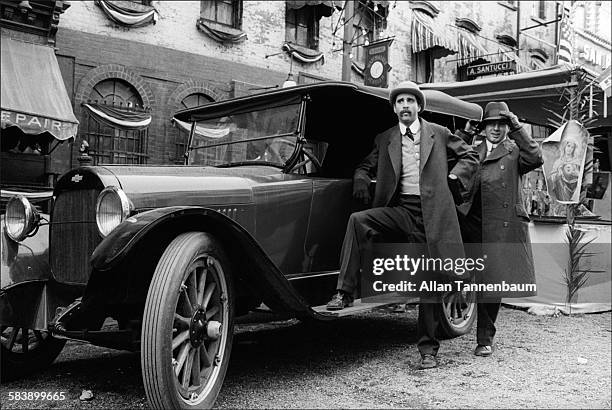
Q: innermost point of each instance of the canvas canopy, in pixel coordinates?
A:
(531, 94)
(34, 97)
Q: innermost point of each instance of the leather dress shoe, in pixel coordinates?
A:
(339, 301)
(428, 361)
(483, 350)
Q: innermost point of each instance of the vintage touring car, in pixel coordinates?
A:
(173, 254)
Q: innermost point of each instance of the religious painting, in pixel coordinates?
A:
(564, 154)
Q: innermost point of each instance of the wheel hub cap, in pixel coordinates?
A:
(197, 328)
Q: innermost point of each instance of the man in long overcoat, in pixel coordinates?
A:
(497, 218)
(422, 170)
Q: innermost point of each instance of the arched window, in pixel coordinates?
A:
(116, 92)
(115, 123)
(182, 133)
(195, 100)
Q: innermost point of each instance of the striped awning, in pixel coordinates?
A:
(508, 53)
(427, 35)
(324, 7)
(471, 47)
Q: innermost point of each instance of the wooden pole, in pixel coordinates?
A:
(347, 42)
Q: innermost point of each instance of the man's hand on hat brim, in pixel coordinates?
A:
(512, 119)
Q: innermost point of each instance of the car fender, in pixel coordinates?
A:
(138, 234)
(24, 261)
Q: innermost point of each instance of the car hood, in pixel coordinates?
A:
(152, 187)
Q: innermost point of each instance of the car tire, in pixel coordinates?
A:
(186, 345)
(457, 314)
(20, 359)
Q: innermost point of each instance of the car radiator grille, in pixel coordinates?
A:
(73, 235)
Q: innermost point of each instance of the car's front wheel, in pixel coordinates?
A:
(25, 351)
(188, 324)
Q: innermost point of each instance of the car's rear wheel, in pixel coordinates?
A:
(458, 312)
(188, 324)
(25, 351)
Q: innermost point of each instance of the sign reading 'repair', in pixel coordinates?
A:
(26, 121)
(491, 68)
(37, 124)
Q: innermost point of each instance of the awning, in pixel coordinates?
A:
(324, 8)
(471, 47)
(33, 95)
(427, 35)
(507, 53)
(530, 94)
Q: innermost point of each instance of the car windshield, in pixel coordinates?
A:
(267, 136)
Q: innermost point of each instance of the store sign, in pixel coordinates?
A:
(377, 64)
(491, 68)
(36, 124)
(29, 122)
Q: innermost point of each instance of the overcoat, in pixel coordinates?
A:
(501, 213)
(441, 153)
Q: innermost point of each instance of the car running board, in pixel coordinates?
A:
(358, 307)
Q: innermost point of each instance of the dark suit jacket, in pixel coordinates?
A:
(441, 153)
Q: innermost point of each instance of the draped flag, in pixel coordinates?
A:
(566, 38)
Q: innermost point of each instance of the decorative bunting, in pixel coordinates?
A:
(303, 54)
(119, 118)
(219, 35)
(126, 16)
(207, 132)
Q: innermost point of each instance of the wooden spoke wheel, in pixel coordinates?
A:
(188, 324)
(25, 351)
(458, 313)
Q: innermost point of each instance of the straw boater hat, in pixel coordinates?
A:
(410, 88)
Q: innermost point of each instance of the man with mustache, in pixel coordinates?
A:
(496, 217)
(415, 197)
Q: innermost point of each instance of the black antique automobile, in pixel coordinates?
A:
(254, 219)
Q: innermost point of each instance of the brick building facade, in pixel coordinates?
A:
(172, 59)
(183, 53)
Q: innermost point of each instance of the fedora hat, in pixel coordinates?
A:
(492, 110)
(408, 87)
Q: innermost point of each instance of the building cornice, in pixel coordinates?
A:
(594, 38)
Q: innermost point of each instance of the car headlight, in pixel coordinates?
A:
(21, 218)
(112, 208)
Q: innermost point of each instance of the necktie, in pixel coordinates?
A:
(409, 134)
